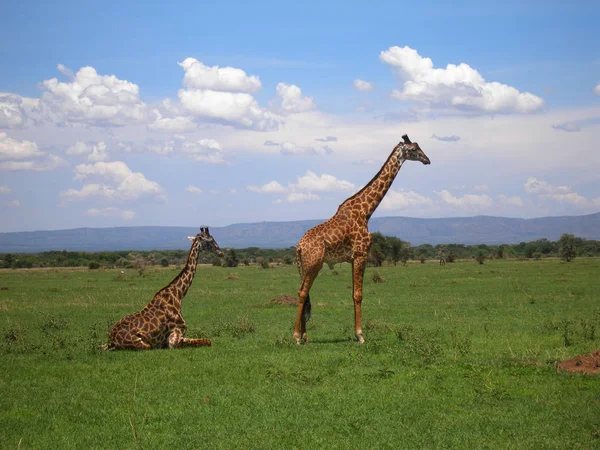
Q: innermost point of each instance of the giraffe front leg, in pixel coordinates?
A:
(358, 273)
(176, 338)
(195, 342)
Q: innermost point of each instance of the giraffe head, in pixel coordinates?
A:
(411, 151)
(206, 241)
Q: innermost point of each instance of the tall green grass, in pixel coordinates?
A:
(458, 356)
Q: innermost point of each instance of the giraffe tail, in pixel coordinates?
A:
(306, 309)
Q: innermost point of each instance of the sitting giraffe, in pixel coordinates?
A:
(160, 324)
(346, 238)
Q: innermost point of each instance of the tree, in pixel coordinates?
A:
(377, 252)
(500, 252)
(231, 260)
(395, 245)
(164, 262)
(566, 247)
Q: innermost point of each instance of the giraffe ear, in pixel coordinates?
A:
(191, 238)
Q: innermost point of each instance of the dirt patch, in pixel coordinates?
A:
(587, 364)
(232, 278)
(3, 288)
(284, 300)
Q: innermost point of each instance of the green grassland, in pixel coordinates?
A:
(457, 356)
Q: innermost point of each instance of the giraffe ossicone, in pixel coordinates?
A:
(346, 238)
(160, 323)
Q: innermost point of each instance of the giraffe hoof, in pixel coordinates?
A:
(361, 340)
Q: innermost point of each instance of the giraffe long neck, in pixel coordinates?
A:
(183, 281)
(371, 195)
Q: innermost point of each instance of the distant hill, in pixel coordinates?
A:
(458, 230)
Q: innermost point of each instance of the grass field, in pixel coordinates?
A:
(459, 356)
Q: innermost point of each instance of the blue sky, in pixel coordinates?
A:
(140, 113)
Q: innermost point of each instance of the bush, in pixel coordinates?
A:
(264, 264)
(164, 262)
(94, 265)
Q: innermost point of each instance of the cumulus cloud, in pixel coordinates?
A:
(171, 124)
(534, 186)
(25, 155)
(92, 151)
(363, 86)
(227, 79)
(327, 139)
(112, 212)
(93, 99)
(16, 110)
(596, 89)
(204, 150)
(5, 190)
(514, 200)
(298, 197)
(403, 199)
(467, 201)
(324, 183)
(222, 94)
(119, 183)
(290, 148)
(290, 99)
(193, 190)
(457, 86)
(482, 188)
(559, 194)
(452, 138)
(269, 188)
(568, 126)
(304, 188)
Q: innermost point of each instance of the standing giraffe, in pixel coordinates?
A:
(160, 324)
(346, 238)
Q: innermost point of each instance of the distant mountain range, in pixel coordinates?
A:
(457, 230)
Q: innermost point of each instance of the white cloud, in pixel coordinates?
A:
(363, 86)
(270, 188)
(452, 138)
(233, 191)
(324, 183)
(467, 201)
(111, 212)
(569, 127)
(123, 183)
(222, 94)
(193, 190)
(482, 188)
(404, 199)
(596, 89)
(13, 204)
(290, 99)
(299, 197)
(227, 79)
(93, 99)
(533, 186)
(93, 151)
(514, 200)
(171, 124)
(14, 110)
(204, 150)
(25, 155)
(289, 148)
(460, 87)
(5, 190)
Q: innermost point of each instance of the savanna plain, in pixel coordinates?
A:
(456, 356)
